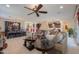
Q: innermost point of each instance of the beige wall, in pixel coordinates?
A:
(2, 25)
(71, 23)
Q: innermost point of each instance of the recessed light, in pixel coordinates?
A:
(8, 5)
(61, 7)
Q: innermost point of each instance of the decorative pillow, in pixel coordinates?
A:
(52, 32)
(50, 37)
(59, 37)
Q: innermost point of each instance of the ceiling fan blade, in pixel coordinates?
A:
(29, 8)
(30, 13)
(37, 14)
(39, 7)
(43, 12)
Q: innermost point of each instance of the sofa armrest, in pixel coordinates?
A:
(62, 46)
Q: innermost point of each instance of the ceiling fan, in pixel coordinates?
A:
(36, 10)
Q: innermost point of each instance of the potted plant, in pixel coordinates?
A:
(70, 32)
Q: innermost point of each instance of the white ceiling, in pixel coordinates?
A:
(18, 11)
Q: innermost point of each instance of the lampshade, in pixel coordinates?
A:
(44, 26)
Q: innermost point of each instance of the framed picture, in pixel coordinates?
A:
(50, 25)
(57, 24)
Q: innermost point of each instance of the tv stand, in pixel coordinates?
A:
(15, 34)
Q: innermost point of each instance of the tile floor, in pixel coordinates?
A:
(73, 47)
(15, 46)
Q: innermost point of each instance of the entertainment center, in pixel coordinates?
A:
(13, 29)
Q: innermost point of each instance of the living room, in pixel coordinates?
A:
(22, 24)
